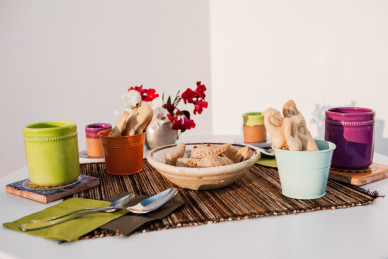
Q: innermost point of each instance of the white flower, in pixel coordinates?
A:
(156, 103)
(156, 106)
(132, 98)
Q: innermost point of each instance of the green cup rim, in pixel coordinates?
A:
(253, 118)
(50, 129)
(251, 114)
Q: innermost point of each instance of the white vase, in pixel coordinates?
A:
(160, 133)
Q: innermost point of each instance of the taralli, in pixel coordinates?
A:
(290, 134)
(291, 111)
(173, 154)
(308, 143)
(273, 122)
(291, 131)
(120, 125)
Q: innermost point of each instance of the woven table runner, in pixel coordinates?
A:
(256, 194)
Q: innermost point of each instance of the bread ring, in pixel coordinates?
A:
(289, 109)
(308, 143)
(273, 122)
(291, 135)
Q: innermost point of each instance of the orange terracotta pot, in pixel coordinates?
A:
(254, 129)
(123, 155)
(253, 134)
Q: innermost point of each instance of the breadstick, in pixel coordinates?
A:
(120, 125)
(273, 122)
(130, 123)
(291, 111)
(290, 134)
(143, 118)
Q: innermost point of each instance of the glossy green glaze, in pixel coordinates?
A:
(253, 119)
(52, 152)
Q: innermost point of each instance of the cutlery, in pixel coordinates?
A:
(120, 202)
(266, 152)
(145, 206)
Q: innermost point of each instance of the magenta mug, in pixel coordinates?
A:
(352, 130)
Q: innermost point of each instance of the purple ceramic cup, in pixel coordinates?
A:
(352, 130)
(93, 143)
(92, 130)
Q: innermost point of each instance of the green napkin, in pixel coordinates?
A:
(269, 162)
(72, 229)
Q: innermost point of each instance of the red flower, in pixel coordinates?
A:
(170, 108)
(188, 96)
(181, 122)
(137, 88)
(198, 106)
(147, 95)
(196, 97)
(201, 90)
(188, 124)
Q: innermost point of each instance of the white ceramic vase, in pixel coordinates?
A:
(160, 133)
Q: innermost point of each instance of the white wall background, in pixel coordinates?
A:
(72, 60)
(320, 53)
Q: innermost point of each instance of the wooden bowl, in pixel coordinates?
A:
(201, 178)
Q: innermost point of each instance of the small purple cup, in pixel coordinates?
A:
(93, 143)
(352, 130)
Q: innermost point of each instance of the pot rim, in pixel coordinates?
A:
(350, 111)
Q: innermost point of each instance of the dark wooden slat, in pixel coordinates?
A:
(256, 194)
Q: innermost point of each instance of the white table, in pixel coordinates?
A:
(358, 232)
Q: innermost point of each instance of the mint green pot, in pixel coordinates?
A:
(52, 152)
(304, 174)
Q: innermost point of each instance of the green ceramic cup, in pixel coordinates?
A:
(253, 119)
(52, 152)
(304, 174)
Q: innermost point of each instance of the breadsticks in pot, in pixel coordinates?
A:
(120, 125)
(273, 122)
(291, 111)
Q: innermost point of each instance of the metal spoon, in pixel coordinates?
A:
(150, 204)
(266, 152)
(120, 202)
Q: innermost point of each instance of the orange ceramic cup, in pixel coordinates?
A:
(123, 155)
(93, 143)
(254, 129)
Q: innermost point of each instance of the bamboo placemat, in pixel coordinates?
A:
(256, 194)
